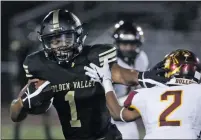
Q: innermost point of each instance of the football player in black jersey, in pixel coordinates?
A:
(57, 76)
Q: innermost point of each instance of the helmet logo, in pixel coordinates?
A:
(174, 59)
(186, 54)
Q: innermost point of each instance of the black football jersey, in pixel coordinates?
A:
(80, 103)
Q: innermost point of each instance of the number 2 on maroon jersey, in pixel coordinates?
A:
(177, 95)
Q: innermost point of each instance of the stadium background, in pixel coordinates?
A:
(167, 26)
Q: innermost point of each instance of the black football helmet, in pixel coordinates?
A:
(62, 36)
(183, 67)
(127, 32)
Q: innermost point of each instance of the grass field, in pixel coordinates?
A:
(30, 132)
(31, 128)
(34, 132)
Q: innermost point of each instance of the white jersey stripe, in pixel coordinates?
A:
(27, 71)
(109, 61)
(108, 56)
(25, 66)
(111, 50)
(29, 75)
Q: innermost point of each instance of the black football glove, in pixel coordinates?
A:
(154, 76)
(35, 97)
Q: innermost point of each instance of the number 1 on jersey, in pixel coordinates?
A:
(70, 97)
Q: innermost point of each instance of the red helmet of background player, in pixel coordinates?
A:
(183, 66)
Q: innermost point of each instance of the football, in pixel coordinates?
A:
(41, 108)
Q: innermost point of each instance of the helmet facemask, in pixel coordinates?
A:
(63, 46)
(129, 49)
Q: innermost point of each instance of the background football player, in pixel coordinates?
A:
(128, 38)
(170, 111)
(56, 75)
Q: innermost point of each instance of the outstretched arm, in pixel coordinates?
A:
(124, 76)
(103, 75)
(132, 77)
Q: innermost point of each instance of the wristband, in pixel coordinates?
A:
(107, 84)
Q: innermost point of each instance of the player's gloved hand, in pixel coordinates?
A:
(153, 77)
(101, 75)
(34, 97)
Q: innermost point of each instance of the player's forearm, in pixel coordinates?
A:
(129, 116)
(113, 105)
(124, 76)
(17, 112)
(117, 112)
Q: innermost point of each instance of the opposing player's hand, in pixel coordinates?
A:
(100, 74)
(154, 76)
(35, 93)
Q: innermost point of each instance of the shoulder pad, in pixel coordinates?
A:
(99, 52)
(32, 64)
